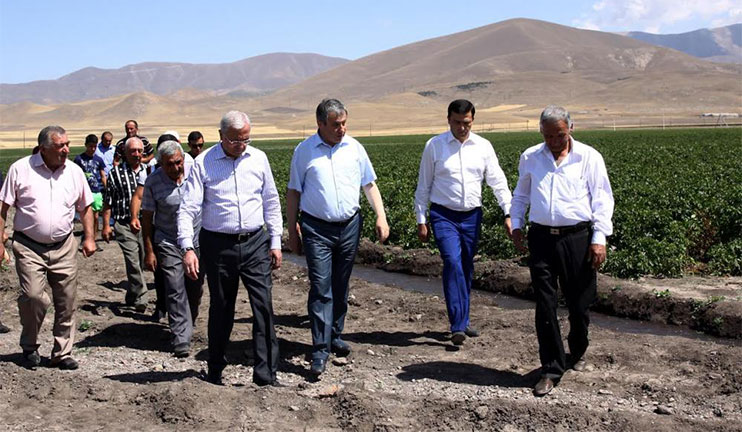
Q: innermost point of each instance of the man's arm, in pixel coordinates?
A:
(601, 204)
(520, 203)
(374, 199)
(3, 216)
(150, 260)
(272, 214)
(88, 243)
(495, 178)
(135, 206)
(422, 192)
(293, 197)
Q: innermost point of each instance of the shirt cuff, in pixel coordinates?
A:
(516, 223)
(421, 219)
(506, 209)
(598, 238)
(186, 243)
(276, 242)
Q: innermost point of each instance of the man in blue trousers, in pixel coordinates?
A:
(452, 169)
(328, 171)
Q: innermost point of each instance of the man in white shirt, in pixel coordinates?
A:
(452, 169)
(565, 184)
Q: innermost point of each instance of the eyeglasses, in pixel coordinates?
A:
(244, 141)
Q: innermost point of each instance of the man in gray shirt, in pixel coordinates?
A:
(161, 201)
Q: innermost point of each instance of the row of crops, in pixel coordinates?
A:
(678, 195)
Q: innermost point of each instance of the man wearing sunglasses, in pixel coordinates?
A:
(195, 143)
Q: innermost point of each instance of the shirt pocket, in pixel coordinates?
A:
(578, 187)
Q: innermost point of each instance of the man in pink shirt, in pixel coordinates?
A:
(45, 191)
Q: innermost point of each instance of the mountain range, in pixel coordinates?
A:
(721, 44)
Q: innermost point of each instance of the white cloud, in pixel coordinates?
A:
(659, 15)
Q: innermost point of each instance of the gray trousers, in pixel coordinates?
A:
(183, 293)
(132, 246)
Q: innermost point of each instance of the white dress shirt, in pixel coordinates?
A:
(451, 175)
(577, 190)
(233, 195)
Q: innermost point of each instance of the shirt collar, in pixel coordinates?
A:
(451, 138)
(318, 141)
(37, 161)
(576, 150)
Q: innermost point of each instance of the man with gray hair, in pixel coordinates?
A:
(328, 171)
(122, 182)
(565, 184)
(46, 190)
(162, 194)
(232, 187)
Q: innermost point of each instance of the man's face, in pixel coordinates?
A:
(106, 140)
(234, 141)
(90, 148)
(134, 153)
(460, 125)
(173, 165)
(333, 130)
(556, 135)
(55, 155)
(131, 129)
(196, 146)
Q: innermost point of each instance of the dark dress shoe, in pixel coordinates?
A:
(318, 366)
(4, 328)
(158, 315)
(471, 332)
(214, 377)
(31, 359)
(273, 383)
(67, 363)
(340, 348)
(543, 387)
(182, 351)
(579, 365)
(458, 338)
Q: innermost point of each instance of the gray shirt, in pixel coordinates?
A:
(162, 196)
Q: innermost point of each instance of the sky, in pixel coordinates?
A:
(45, 39)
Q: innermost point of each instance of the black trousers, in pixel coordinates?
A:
(561, 260)
(225, 261)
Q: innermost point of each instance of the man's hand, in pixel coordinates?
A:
(88, 247)
(150, 261)
(597, 255)
(518, 241)
(382, 229)
(295, 239)
(508, 227)
(276, 258)
(106, 233)
(4, 257)
(190, 262)
(135, 225)
(423, 233)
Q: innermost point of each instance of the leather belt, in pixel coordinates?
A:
(46, 245)
(335, 223)
(237, 238)
(561, 230)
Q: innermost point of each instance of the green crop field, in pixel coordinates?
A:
(678, 195)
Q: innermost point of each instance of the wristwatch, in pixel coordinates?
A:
(185, 250)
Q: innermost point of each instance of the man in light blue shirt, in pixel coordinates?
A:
(106, 151)
(328, 170)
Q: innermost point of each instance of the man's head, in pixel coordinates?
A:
(556, 127)
(170, 155)
(196, 142)
(133, 148)
(54, 146)
(91, 142)
(235, 132)
(331, 119)
(131, 128)
(460, 118)
(173, 133)
(106, 138)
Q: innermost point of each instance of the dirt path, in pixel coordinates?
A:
(402, 375)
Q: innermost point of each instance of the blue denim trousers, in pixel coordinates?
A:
(330, 248)
(457, 236)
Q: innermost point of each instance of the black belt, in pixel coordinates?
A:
(338, 223)
(46, 245)
(237, 238)
(561, 230)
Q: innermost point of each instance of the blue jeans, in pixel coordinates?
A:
(330, 249)
(457, 236)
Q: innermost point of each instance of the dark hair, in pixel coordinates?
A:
(136, 125)
(103, 135)
(91, 139)
(328, 106)
(195, 136)
(166, 137)
(461, 106)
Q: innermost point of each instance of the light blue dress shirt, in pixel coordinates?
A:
(329, 178)
(107, 155)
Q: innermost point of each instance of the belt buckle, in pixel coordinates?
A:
(554, 231)
(242, 237)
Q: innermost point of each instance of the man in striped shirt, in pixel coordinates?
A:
(122, 183)
(232, 187)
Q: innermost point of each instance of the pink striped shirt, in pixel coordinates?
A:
(45, 200)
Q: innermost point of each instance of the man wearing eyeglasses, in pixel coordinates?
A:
(232, 187)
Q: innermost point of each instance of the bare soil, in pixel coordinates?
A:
(403, 374)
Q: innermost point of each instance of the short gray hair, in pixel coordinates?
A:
(168, 148)
(234, 120)
(553, 114)
(128, 142)
(328, 106)
(45, 136)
